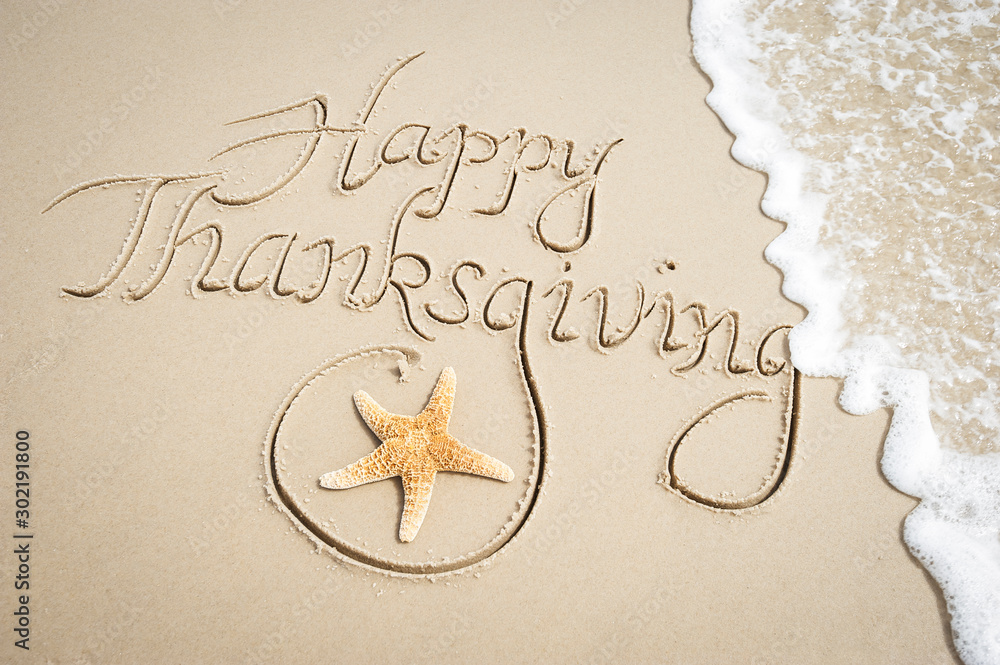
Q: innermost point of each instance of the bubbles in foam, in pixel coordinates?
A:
(876, 123)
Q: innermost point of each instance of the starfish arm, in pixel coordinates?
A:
(437, 413)
(452, 455)
(385, 425)
(417, 486)
(368, 469)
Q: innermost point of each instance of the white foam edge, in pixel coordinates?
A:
(964, 558)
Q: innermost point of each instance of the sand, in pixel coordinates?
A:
(186, 375)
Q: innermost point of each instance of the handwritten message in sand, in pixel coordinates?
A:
(201, 209)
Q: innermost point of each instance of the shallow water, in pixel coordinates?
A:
(878, 125)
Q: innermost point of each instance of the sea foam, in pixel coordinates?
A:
(876, 123)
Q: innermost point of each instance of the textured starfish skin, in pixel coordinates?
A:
(414, 448)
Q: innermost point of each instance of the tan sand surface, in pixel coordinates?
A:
(554, 214)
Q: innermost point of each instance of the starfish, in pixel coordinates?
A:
(414, 448)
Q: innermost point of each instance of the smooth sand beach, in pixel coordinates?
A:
(538, 197)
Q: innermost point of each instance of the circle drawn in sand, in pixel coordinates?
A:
(354, 523)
